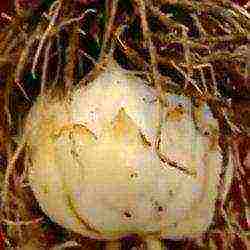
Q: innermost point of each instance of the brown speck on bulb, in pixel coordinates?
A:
(171, 193)
(127, 214)
(160, 209)
(134, 175)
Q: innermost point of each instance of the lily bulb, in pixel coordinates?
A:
(95, 169)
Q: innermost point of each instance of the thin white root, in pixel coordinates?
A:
(22, 223)
(45, 38)
(153, 243)
(114, 245)
(77, 18)
(10, 169)
(65, 245)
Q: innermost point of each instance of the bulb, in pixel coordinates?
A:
(94, 167)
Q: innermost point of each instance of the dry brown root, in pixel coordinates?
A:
(153, 243)
(113, 245)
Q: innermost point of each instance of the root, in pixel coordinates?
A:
(105, 52)
(153, 243)
(9, 172)
(45, 67)
(48, 32)
(113, 245)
